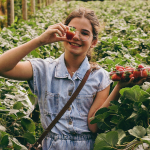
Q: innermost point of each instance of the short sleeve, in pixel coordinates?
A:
(105, 80)
(32, 82)
(40, 68)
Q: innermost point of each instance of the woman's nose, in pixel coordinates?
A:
(76, 36)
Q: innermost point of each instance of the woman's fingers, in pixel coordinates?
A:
(54, 33)
(131, 82)
(59, 28)
(140, 82)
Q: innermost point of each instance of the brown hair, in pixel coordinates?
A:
(90, 15)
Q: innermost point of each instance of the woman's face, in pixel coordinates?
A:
(76, 46)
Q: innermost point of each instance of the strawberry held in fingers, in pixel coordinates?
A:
(70, 33)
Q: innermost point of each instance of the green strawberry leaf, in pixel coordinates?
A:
(72, 29)
(137, 131)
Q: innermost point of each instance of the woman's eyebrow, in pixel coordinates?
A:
(85, 30)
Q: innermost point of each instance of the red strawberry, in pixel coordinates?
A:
(129, 70)
(112, 72)
(70, 33)
(115, 77)
(117, 67)
(136, 74)
(144, 74)
(140, 66)
(127, 67)
(123, 76)
(120, 71)
(148, 71)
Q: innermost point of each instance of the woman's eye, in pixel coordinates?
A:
(84, 33)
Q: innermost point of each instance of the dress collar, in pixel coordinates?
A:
(62, 72)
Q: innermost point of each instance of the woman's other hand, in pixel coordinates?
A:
(131, 82)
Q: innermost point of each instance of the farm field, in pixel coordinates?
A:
(124, 40)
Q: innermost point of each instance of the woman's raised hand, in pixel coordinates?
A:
(54, 33)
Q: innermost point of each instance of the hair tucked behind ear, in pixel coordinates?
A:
(90, 15)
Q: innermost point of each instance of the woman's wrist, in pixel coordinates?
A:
(118, 86)
(38, 41)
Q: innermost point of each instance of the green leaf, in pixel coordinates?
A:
(148, 130)
(108, 148)
(139, 56)
(17, 145)
(137, 131)
(115, 119)
(28, 124)
(115, 38)
(100, 117)
(32, 97)
(112, 138)
(29, 137)
(135, 94)
(100, 142)
(101, 111)
(132, 115)
(129, 94)
(34, 53)
(113, 108)
(17, 105)
(146, 139)
(121, 135)
(72, 29)
(123, 90)
(20, 114)
(5, 140)
(109, 61)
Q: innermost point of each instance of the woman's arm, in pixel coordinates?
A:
(103, 99)
(10, 65)
(98, 102)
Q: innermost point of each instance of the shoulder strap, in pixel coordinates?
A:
(59, 115)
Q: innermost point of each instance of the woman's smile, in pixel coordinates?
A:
(75, 44)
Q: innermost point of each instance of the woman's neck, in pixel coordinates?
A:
(73, 63)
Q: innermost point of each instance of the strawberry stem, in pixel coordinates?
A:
(72, 29)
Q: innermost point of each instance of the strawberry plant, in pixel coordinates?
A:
(126, 121)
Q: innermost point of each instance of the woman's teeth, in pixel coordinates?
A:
(74, 44)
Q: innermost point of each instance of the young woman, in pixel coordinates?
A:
(54, 81)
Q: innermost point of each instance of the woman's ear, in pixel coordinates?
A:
(94, 42)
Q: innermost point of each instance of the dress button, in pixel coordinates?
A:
(70, 92)
(69, 108)
(70, 122)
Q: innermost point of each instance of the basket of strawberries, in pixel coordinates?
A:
(121, 73)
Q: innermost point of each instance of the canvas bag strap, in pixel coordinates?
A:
(59, 115)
